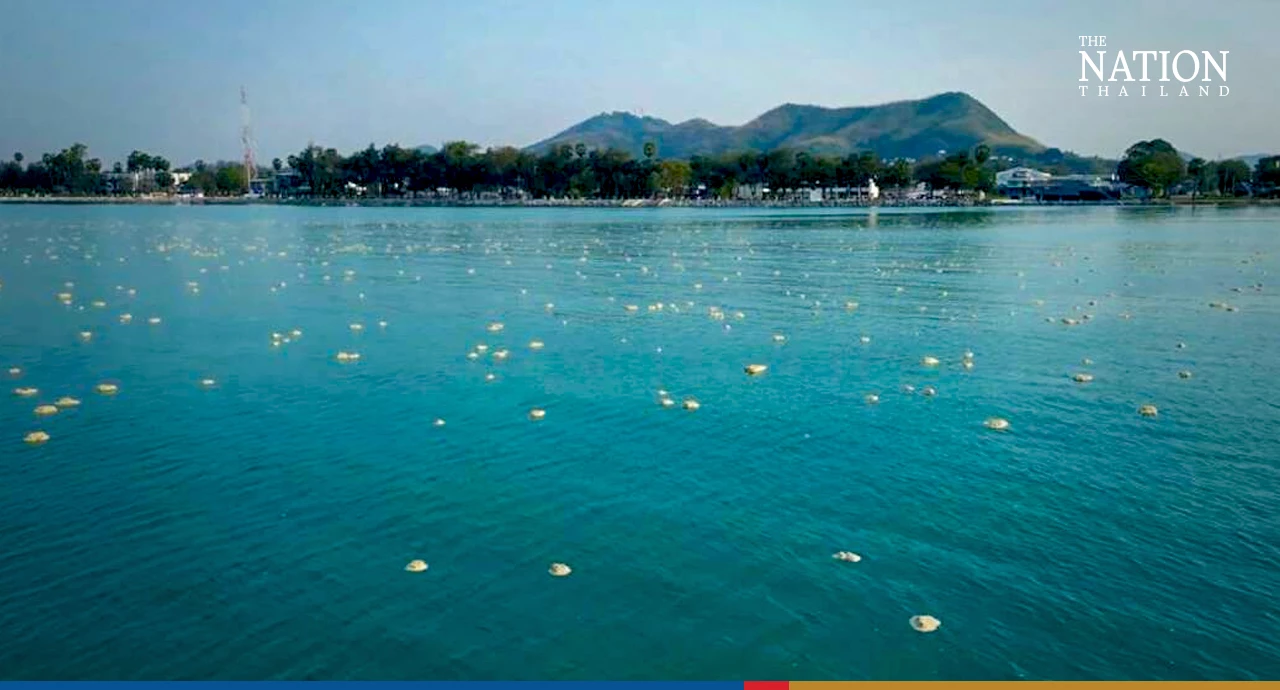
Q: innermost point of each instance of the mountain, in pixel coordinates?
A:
(1253, 158)
(904, 129)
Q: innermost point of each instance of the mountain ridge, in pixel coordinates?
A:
(914, 128)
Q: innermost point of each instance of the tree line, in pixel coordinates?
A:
(1159, 168)
(463, 170)
(566, 171)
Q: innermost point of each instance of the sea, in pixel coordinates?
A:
(244, 504)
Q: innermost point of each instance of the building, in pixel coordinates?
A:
(1028, 183)
(1018, 183)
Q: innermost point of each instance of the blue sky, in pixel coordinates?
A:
(165, 76)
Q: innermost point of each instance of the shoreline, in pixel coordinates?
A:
(614, 203)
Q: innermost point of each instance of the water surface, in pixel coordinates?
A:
(259, 528)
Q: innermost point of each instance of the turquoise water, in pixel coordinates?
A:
(259, 528)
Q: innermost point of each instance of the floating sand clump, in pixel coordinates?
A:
(559, 570)
(1082, 377)
(46, 410)
(35, 438)
(847, 556)
(755, 369)
(925, 624)
(691, 404)
(996, 423)
(1148, 410)
(67, 402)
(416, 566)
(537, 413)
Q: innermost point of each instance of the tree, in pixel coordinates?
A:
(10, 175)
(230, 179)
(68, 172)
(898, 174)
(117, 168)
(674, 176)
(1196, 173)
(164, 180)
(138, 161)
(581, 150)
(1153, 165)
(1232, 176)
(981, 154)
(1267, 174)
(17, 157)
(650, 150)
(277, 165)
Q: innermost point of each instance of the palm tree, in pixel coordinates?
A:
(650, 150)
(17, 157)
(276, 164)
(581, 150)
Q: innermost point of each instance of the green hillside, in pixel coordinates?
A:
(905, 129)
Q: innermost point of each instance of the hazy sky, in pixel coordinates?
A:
(165, 76)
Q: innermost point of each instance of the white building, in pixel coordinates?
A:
(1014, 178)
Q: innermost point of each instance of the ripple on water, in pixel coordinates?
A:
(276, 509)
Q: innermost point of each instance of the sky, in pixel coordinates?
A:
(165, 77)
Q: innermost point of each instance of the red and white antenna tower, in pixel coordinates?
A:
(246, 139)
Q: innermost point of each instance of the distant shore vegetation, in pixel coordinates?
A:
(463, 171)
